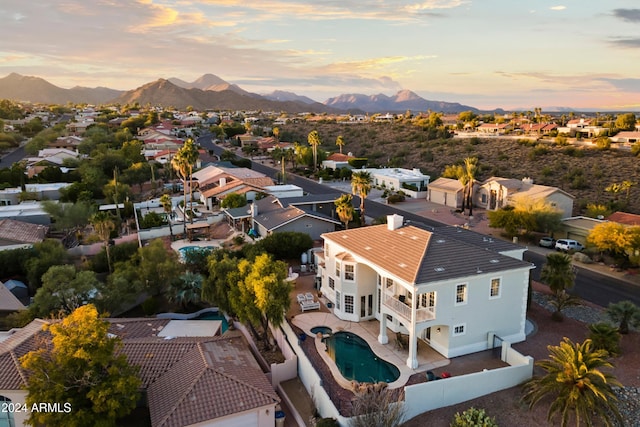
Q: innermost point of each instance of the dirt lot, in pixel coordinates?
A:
(505, 405)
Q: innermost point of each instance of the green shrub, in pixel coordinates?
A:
(605, 337)
(473, 417)
(395, 198)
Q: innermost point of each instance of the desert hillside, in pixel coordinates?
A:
(582, 172)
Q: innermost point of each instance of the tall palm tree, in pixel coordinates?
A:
(314, 141)
(361, 186)
(181, 166)
(167, 205)
(340, 142)
(344, 209)
(183, 162)
(470, 169)
(103, 224)
(625, 314)
(581, 390)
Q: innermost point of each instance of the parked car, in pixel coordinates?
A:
(547, 242)
(567, 245)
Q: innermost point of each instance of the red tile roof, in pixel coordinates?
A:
(22, 232)
(624, 218)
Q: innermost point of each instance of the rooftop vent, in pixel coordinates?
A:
(494, 261)
(440, 241)
(439, 269)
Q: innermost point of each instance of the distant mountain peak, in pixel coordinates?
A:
(402, 101)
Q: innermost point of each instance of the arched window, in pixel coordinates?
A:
(6, 416)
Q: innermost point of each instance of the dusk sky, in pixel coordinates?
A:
(484, 53)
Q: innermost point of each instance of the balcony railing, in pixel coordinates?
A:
(404, 309)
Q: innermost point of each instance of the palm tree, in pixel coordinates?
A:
(470, 169)
(578, 385)
(361, 186)
(605, 337)
(340, 142)
(183, 163)
(186, 290)
(167, 205)
(179, 163)
(104, 224)
(559, 274)
(625, 314)
(344, 209)
(276, 133)
(314, 141)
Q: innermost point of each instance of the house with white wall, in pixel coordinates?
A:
(451, 288)
(495, 193)
(446, 191)
(411, 181)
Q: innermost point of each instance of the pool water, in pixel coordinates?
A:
(212, 315)
(356, 361)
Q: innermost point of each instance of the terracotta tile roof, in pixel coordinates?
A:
(624, 218)
(131, 328)
(8, 301)
(22, 232)
(24, 340)
(337, 157)
(215, 379)
(426, 256)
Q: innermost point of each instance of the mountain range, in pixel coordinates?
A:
(210, 91)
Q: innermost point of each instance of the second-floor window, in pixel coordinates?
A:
(495, 288)
(332, 283)
(349, 272)
(337, 269)
(461, 294)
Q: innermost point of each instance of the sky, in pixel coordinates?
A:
(511, 54)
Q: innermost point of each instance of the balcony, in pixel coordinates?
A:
(403, 309)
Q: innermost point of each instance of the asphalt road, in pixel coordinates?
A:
(589, 285)
(592, 286)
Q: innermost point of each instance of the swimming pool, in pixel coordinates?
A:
(356, 360)
(324, 330)
(183, 250)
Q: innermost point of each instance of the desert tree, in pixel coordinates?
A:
(167, 206)
(103, 224)
(82, 366)
(375, 404)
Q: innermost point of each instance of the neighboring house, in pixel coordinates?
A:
(19, 290)
(30, 211)
(284, 191)
(337, 161)
(495, 193)
(70, 142)
(447, 192)
(188, 380)
(411, 181)
(626, 137)
(578, 228)
(50, 191)
(451, 288)
(625, 218)
(494, 128)
(215, 182)
(19, 234)
(8, 304)
(269, 216)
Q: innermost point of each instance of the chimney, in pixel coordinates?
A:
(223, 181)
(254, 210)
(394, 222)
(527, 180)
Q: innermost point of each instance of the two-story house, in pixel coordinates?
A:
(452, 288)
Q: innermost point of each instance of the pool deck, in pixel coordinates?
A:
(428, 359)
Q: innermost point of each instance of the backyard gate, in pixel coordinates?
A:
(497, 346)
